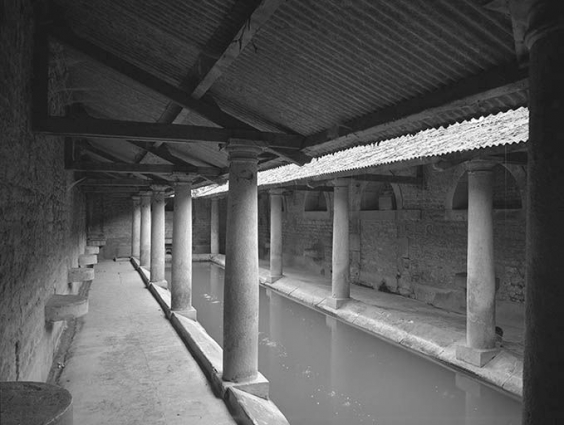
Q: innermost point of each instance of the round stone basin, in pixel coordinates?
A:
(34, 403)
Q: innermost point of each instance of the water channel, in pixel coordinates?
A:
(323, 371)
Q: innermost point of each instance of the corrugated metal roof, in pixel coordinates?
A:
(311, 67)
(505, 128)
(315, 64)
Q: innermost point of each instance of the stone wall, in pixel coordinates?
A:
(42, 218)
(416, 249)
(114, 214)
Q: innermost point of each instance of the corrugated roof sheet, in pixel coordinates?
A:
(315, 64)
(505, 128)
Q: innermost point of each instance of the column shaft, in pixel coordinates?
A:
(240, 318)
(158, 237)
(340, 276)
(214, 227)
(145, 239)
(543, 373)
(181, 273)
(136, 228)
(276, 198)
(480, 318)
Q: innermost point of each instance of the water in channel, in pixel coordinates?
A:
(323, 371)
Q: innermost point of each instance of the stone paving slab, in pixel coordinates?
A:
(126, 364)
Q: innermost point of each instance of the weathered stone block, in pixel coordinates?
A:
(65, 307)
(92, 250)
(80, 274)
(87, 259)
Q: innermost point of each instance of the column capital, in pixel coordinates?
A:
(136, 198)
(479, 165)
(277, 192)
(543, 17)
(159, 188)
(243, 150)
(145, 194)
(342, 182)
(182, 184)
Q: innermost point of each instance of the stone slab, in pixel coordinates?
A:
(87, 259)
(80, 274)
(92, 250)
(34, 403)
(65, 307)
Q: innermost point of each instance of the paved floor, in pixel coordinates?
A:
(127, 365)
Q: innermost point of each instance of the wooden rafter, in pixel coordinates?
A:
(245, 34)
(116, 182)
(170, 92)
(112, 167)
(91, 127)
(206, 109)
(387, 178)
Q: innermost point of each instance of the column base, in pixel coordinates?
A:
(475, 356)
(189, 313)
(336, 303)
(258, 386)
(162, 283)
(272, 279)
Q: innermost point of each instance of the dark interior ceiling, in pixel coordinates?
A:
(303, 77)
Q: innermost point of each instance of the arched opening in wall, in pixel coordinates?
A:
(506, 193)
(378, 196)
(315, 201)
(460, 195)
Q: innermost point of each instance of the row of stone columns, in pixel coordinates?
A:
(148, 242)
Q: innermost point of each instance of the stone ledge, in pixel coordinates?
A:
(87, 259)
(65, 307)
(92, 250)
(80, 274)
(35, 403)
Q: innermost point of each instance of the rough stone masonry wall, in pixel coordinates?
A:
(416, 253)
(114, 215)
(42, 219)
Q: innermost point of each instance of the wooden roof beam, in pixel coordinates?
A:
(91, 127)
(64, 34)
(116, 182)
(112, 167)
(210, 111)
(212, 72)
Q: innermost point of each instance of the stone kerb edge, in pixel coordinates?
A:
(248, 402)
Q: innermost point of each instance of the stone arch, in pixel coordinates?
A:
(373, 192)
(457, 195)
(316, 201)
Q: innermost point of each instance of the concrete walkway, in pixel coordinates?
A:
(127, 365)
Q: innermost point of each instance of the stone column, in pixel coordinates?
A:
(543, 373)
(276, 198)
(214, 226)
(241, 298)
(136, 227)
(158, 236)
(181, 273)
(145, 238)
(480, 284)
(340, 277)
